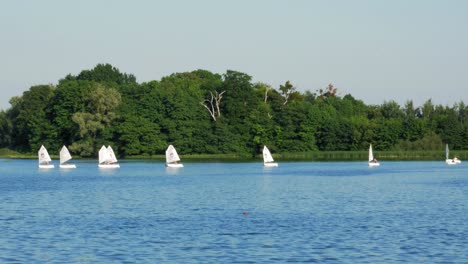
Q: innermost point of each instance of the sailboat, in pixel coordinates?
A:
(107, 159)
(64, 157)
(172, 158)
(453, 161)
(44, 159)
(372, 162)
(268, 159)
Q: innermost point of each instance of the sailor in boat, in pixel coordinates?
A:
(374, 161)
(42, 156)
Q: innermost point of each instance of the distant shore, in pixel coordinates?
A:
(298, 156)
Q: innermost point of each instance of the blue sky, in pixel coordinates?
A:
(375, 50)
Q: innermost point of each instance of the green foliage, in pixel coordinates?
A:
(391, 109)
(288, 91)
(431, 141)
(70, 97)
(101, 102)
(30, 117)
(105, 73)
(139, 136)
(5, 130)
(104, 106)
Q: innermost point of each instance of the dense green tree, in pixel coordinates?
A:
(297, 127)
(431, 141)
(184, 128)
(362, 132)
(414, 128)
(204, 112)
(70, 97)
(105, 73)
(327, 127)
(391, 109)
(289, 93)
(5, 130)
(427, 109)
(239, 101)
(31, 124)
(387, 133)
(101, 104)
(139, 136)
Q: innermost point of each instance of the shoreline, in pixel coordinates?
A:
(299, 156)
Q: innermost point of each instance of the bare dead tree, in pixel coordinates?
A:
(212, 105)
(286, 90)
(210, 108)
(266, 93)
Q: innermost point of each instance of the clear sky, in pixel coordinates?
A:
(376, 50)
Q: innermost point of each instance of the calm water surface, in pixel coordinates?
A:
(310, 212)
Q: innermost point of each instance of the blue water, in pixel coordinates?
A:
(307, 212)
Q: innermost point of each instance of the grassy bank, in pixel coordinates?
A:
(362, 155)
(297, 156)
(199, 157)
(8, 153)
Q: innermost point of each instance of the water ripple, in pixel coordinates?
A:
(217, 213)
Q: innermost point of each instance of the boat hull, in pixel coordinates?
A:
(44, 166)
(67, 166)
(374, 164)
(173, 165)
(270, 164)
(452, 162)
(108, 166)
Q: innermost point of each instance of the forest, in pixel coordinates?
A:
(201, 112)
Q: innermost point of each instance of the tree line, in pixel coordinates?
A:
(201, 112)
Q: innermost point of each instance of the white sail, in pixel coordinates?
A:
(110, 152)
(171, 155)
(446, 152)
(371, 155)
(372, 162)
(268, 159)
(64, 155)
(107, 159)
(448, 160)
(267, 155)
(43, 155)
(103, 154)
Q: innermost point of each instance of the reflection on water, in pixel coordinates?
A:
(401, 212)
(174, 171)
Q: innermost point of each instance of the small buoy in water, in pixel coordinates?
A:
(245, 213)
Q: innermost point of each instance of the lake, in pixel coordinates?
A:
(304, 212)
